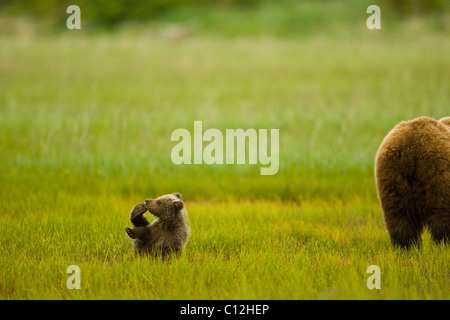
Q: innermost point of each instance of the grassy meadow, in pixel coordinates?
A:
(85, 134)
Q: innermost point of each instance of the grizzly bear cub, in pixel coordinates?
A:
(167, 234)
(412, 171)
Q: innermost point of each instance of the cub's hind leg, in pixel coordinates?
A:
(137, 232)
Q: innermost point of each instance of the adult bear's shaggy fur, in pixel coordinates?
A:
(412, 171)
(166, 235)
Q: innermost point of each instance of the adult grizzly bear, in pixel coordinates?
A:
(166, 235)
(412, 171)
(445, 121)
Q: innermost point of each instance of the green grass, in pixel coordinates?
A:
(85, 125)
(238, 250)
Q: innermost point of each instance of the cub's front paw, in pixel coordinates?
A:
(138, 210)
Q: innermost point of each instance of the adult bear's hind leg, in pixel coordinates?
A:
(439, 226)
(403, 232)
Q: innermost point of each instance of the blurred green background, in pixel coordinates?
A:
(228, 17)
(92, 110)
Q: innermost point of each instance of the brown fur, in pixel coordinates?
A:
(167, 234)
(412, 171)
(445, 121)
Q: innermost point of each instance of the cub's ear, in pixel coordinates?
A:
(178, 195)
(178, 205)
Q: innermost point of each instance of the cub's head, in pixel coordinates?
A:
(165, 207)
